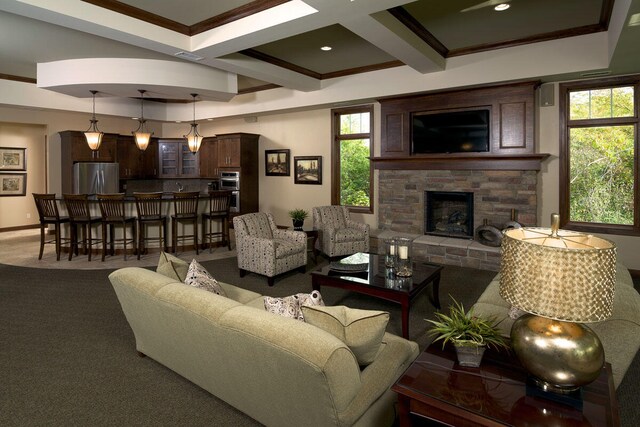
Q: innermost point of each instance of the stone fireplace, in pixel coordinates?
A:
(496, 192)
(449, 213)
(401, 209)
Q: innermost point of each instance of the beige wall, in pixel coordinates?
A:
(17, 211)
(305, 133)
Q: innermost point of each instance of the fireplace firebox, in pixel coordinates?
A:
(449, 213)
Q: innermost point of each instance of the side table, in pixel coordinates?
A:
(435, 387)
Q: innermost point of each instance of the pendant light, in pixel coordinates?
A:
(93, 135)
(142, 134)
(194, 139)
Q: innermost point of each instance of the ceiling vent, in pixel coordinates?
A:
(596, 73)
(189, 56)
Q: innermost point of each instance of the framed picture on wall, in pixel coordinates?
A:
(277, 162)
(14, 184)
(12, 159)
(308, 170)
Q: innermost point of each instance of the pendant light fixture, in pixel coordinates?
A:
(93, 135)
(194, 139)
(142, 134)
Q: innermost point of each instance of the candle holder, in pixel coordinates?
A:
(390, 253)
(403, 257)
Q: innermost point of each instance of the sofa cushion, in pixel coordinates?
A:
(171, 266)
(290, 306)
(360, 330)
(199, 277)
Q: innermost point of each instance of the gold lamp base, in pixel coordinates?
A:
(562, 356)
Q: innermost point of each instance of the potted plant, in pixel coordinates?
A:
(469, 334)
(298, 216)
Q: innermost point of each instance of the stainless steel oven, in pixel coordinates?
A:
(235, 201)
(230, 180)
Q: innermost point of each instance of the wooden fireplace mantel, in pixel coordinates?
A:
(462, 162)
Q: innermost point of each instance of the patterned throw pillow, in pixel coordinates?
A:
(360, 330)
(199, 277)
(290, 306)
(173, 267)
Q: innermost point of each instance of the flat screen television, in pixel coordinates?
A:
(450, 132)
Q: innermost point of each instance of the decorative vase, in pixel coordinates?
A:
(403, 265)
(469, 356)
(297, 224)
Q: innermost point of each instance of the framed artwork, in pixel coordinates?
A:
(277, 162)
(12, 159)
(308, 170)
(14, 184)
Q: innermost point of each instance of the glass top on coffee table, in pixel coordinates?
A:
(371, 277)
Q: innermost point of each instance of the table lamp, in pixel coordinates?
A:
(561, 279)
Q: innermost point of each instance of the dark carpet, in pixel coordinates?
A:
(67, 354)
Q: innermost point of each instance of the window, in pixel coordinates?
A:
(352, 176)
(599, 156)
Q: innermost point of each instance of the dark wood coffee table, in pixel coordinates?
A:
(436, 388)
(377, 282)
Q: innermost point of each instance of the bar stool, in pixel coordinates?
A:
(219, 205)
(113, 214)
(80, 215)
(149, 208)
(49, 215)
(185, 210)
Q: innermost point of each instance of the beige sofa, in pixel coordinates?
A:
(620, 334)
(279, 371)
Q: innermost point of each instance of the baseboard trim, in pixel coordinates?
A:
(18, 228)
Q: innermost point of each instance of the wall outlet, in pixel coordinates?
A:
(28, 215)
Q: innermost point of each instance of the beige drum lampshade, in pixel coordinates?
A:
(558, 274)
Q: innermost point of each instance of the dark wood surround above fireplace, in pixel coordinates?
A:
(511, 129)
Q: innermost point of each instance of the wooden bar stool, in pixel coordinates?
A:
(49, 215)
(219, 205)
(80, 215)
(185, 210)
(113, 214)
(149, 209)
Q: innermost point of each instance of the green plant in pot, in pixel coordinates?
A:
(298, 216)
(469, 334)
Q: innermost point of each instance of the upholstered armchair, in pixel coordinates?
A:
(265, 249)
(337, 234)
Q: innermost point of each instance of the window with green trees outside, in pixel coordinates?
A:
(352, 148)
(599, 176)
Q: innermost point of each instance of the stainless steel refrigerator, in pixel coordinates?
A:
(94, 178)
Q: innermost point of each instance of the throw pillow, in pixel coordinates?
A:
(360, 330)
(199, 277)
(173, 267)
(290, 306)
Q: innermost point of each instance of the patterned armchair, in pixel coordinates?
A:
(337, 234)
(265, 249)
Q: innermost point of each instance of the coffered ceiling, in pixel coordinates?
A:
(272, 43)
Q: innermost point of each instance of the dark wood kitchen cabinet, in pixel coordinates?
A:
(175, 159)
(209, 158)
(136, 164)
(230, 149)
(74, 145)
(129, 158)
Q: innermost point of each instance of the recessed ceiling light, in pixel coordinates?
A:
(326, 48)
(502, 6)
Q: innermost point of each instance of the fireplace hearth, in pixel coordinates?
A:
(449, 214)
